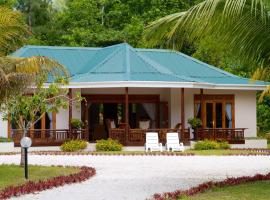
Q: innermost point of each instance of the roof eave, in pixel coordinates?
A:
(163, 84)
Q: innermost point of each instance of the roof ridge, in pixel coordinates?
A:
(169, 72)
(108, 57)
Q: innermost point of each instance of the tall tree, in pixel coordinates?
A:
(37, 11)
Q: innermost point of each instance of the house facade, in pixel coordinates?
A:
(130, 91)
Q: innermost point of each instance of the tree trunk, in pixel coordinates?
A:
(22, 163)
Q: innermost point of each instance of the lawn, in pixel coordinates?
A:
(195, 152)
(14, 175)
(249, 191)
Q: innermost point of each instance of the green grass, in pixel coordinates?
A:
(5, 139)
(14, 175)
(249, 191)
(268, 145)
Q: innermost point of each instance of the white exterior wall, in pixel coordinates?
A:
(62, 117)
(245, 108)
(245, 105)
(3, 127)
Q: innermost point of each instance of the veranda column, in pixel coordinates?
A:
(201, 102)
(183, 114)
(126, 113)
(86, 120)
(70, 109)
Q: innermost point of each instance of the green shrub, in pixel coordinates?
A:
(208, 145)
(73, 145)
(2, 139)
(224, 145)
(108, 145)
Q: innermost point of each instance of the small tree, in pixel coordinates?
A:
(25, 110)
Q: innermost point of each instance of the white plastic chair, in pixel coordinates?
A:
(152, 143)
(173, 142)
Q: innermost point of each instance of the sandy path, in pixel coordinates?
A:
(138, 177)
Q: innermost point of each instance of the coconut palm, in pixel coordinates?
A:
(243, 25)
(18, 73)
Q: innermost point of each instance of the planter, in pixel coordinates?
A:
(7, 147)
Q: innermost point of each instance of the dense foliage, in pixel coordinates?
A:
(74, 145)
(108, 145)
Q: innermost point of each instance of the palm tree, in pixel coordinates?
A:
(16, 74)
(243, 25)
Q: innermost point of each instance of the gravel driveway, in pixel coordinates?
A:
(139, 177)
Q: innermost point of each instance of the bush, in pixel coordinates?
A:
(2, 139)
(208, 145)
(224, 145)
(73, 145)
(108, 145)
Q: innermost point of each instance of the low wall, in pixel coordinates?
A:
(7, 147)
(251, 144)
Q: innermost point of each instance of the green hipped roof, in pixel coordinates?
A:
(124, 63)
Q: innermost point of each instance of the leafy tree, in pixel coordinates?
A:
(104, 22)
(25, 110)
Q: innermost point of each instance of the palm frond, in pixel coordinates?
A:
(13, 30)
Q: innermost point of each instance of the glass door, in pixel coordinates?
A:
(209, 114)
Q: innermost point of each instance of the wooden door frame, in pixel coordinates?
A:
(215, 98)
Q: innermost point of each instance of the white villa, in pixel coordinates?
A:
(130, 91)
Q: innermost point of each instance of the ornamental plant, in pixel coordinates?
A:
(77, 124)
(74, 145)
(208, 145)
(195, 122)
(108, 145)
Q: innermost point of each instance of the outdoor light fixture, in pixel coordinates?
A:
(26, 142)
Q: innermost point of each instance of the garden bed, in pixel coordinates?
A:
(192, 193)
(12, 182)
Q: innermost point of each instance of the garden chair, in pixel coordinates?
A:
(152, 143)
(173, 142)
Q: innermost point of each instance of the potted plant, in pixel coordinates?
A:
(195, 123)
(76, 124)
